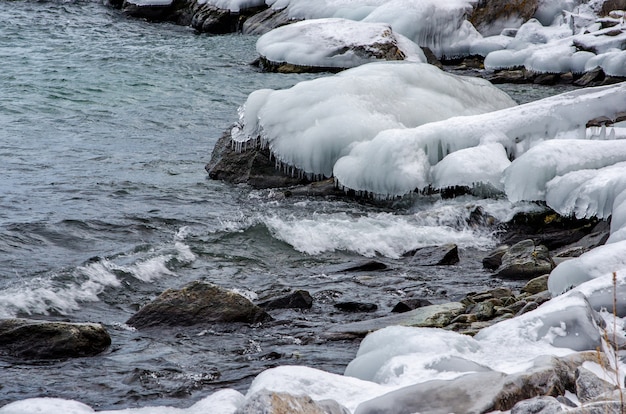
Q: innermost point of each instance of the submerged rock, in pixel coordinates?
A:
(356, 307)
(26, 338)
(300, 299)
(197, 303)
(410, 304)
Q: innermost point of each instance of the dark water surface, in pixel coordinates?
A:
(105, 126)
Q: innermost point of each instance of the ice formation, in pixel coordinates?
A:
(441, 26)
(398, 161)
(312, 124)
(334, 43)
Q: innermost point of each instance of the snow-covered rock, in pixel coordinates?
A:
(314, 123)
(334, 44)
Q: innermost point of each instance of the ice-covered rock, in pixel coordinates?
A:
(397, 161)
(312, 124)
(327, 44)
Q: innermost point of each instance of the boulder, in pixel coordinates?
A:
(589, 386)
(265, 21)
(490, 17)
(300, 299)
(410, 304)
(176, 11)
(252, 166)
(26, 338)
(369, 266)
(536, 285)
(494, 259)
(447, 254)
(593, 77)
(610, 5)
(434, 316)
(338, 44)
(269, 402)
(538, 405)
(197, 303)
(525, 260)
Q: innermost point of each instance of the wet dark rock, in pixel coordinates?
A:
(593, 77)
(478, 218)
(410, 304)
(34, 339)
(265, 21)
(538, 405)
(431, 58)
(489, 16)
(197, 303)
(356, 307)
(529, 306)
(540, 298)
(286, 67)
(525, 260)
(494, 259)
(546, 79)
(603, 120)
(252, 166)
(372, 265)
(447, 254)
(589, 386)
(536, 285)
(270, 402)
(509, 76)
(300, 299)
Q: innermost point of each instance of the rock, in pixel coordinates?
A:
(593, 77)
(265, 21)
(268, 402)
(300, 299)
(356, 307)
(490, 17)
(483, 310)
(197, 303)
(340, 44)
(251, 166)
(538, 405)
(536, 285)
(589, 386)
(613, 407)
(447, 254)
(546, 79)
(440, 397)
(610, 5)
(372, 265)
(525, 260)
(26, 338)
(494, 259)
(509, 76)
(596, 237)
(539, 298)
(211, 19)
(410, 304)
(435, 316)
(529, 306)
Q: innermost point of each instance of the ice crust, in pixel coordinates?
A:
(323, 43)
(312, 124)
(234, 6)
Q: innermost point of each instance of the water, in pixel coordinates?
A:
(106, 124)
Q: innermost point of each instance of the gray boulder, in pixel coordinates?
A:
(265, 21)
(538, 405)
(197, 303)
(589, 386)
(26, 338)
(525, 260)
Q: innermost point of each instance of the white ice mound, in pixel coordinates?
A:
(314, 123)
(439, 25)
(400, 356)
(528, 175)
(598, 262)
(234, 6)
(336, 43)
(398, 161)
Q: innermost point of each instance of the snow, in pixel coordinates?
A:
(323, 42)
(312, 124)
(151, 3)
(397, 161)
(234, 6)
(613, 63)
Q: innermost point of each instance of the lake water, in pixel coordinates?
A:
(105, 126)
